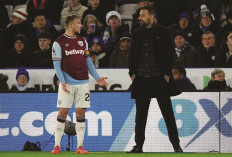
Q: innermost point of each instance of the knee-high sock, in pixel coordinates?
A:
(80, 130)
(59, 131)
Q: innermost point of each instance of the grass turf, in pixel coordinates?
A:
(111, 154)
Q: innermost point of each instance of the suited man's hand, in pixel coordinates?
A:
(132, 77)
(166, 77)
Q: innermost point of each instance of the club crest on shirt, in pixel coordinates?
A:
(53, 51)
(80, 43)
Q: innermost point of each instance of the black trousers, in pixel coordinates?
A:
(142, 106)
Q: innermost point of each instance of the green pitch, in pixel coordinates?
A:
(111, 154)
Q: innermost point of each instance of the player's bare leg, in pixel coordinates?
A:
(80, 130)
(59, 131)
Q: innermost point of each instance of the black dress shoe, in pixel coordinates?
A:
(136, 150)
(178, 150)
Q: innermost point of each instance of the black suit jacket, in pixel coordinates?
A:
(163, 51)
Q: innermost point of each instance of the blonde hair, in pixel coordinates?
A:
(215, 72)
(69, 19)
(98, 24)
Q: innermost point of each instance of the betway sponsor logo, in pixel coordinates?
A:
(73, 52)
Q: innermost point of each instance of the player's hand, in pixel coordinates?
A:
(166, 77)
(102, 82)
(64, 87)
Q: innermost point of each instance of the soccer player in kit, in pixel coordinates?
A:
(72, 63)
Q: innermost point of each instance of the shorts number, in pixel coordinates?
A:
(87, 97)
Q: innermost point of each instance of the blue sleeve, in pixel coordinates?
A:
(59, 73)
(92, 69)
(56, 51)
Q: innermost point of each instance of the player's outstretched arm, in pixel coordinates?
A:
(102, 82)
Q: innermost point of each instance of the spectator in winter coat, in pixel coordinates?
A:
(22, 84)
(217, 81)
(206, 24)
(184, 52)
(205, 56)
(74, 8)
(3, 84)
(20, 55)
(224, 53)
(43, 56)
(182, 82)
(120, 56)
(98, 11)
(18, 25)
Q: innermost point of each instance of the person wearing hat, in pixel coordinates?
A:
(184, 24)
(120, 56)
(97, 52)
(95, 9)
(42, 57)
(184, 52)
(22, 82)
(207, 23)
(113, 32)
(18, 25)
(20, 55)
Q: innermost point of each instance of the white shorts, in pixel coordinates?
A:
(79, 94)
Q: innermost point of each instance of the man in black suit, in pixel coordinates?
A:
(150, 68)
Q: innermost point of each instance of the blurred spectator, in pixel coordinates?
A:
(41, 24)
(182, 82)
(91, 27)
(3, 83)
(98, 11)
(74, 7)
(135, 21)
(228, 26)
(4, 57)
(184, 24)
(206, 24)
(18, 25)
(50, 8)
(43, 56)
(22, 82)
(184, 52)
(113, 32)
(20, 55)
(4, 18)
(224, 53)
(97, 53)
(120, 56)
(217, 81)
(224, 8)
(205, 56)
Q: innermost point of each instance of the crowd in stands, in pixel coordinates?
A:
(201, 30)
